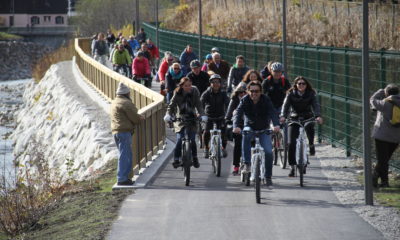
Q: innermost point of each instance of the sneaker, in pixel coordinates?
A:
(176, 163)
(235, 170)
(224, 153)
(291, 174)
(269, 182)
(126, 183)
(247, 168)
(206, 153)
(312, 150)
(196, 163)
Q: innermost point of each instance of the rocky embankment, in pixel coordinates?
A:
(71, 129)
(17, 58)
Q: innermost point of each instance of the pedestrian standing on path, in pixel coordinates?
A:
(124, 117)
(386, 130)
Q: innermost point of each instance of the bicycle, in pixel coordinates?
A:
(301, 147)
(187, 158)
(257, 172)
(216, 147)
(280, 147)
(121, 69)
(145, 81)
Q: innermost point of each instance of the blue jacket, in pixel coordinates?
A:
(185, 60)
(257, 116)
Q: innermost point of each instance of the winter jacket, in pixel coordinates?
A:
(223, 70)
(201, 81)
(257, 116)
(185, 106)
(214, 104)
(265, 73)
(100, 48)
(154, 51)
(185, 60)
(172, 79)
(276, 90)
(235, 76)
(129, 48)
(121, 57)
(134, 44)
(141, 37)
(304, 106)
(140, 68)
(110, 38)
(163, 70)
(383, 129)
(124, 115)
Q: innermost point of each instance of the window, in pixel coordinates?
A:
(47, 18)
(35, 20)
(59, 20)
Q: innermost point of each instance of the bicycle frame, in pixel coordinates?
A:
(301, 141)
(215, 135)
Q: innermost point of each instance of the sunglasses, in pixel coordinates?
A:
(254, 91)
(301, 83)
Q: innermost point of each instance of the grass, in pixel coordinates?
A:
(390, 196)
(8, 36)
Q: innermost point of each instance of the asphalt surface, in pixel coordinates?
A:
(224, 208)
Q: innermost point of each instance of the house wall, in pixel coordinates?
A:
(22, 20)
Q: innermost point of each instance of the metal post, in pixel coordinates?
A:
(284, 38)
(157, 37)
(137, 24)
(200, 29)
(366, 112)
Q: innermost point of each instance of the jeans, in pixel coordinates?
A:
(169, 96)
(265, 141)
(178, 147)
(124, 144)
(101, 59)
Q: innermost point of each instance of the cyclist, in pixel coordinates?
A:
(199, 78)
(100, 49)
(141, 36)
(134, 44)
(257, 110)
(302, 103)
(140, 67)
(121, 59)
(214, 50)
(238, 93)
(162, 71)
(208, 60)
(237, 72)
(172, 78)
(275, 86)
(220, 67)
(266, 71)
(251, 75)
(185, 104)
(187, 56)
(154, 53)
(215, 103)
(110, 38)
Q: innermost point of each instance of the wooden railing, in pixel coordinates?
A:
(149, 136)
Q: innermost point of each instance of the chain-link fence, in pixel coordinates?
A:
(334, 72)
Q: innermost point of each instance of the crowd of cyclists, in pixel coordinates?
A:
(235, 95)
(229, 95)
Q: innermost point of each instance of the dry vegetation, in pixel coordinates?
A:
(325, 23)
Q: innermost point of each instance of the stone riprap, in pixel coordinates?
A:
(59, 117)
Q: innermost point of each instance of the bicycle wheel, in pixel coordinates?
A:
(218, 158)
(187, 162)
(257, 180)
(300, 166)
(285, 146)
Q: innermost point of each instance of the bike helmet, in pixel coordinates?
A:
(195, 64)
(140, 54)
(214, 49)
(277, 67)
(209, 56)
(215, 76)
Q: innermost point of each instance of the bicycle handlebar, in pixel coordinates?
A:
(302, 123)
(257, 132)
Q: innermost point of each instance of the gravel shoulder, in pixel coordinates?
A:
(342, 173)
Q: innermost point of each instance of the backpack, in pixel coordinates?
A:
(395, 120)
(282, 79)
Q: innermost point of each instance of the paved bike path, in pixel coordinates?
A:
(223, 208)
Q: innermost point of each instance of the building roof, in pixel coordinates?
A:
(34, 6)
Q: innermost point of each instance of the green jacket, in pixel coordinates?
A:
(124, 115)
(121, 57)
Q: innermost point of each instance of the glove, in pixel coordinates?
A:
(167, 118)
(204, 118)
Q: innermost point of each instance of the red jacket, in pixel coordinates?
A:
(140, 68)
(163, 70)
(154, 52)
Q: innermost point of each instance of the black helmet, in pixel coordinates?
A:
(195, 63)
